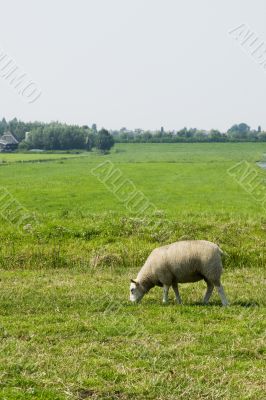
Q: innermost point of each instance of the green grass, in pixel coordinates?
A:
(175, 177)
(67, 330)
(34, 157)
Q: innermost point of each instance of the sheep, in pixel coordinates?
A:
(180, 262)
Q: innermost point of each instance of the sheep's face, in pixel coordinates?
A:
(136, 291)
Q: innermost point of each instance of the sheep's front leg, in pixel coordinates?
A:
(165, 294)
(177, 295)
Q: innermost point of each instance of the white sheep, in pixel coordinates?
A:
(180, 262)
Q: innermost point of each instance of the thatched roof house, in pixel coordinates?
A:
(8, 142)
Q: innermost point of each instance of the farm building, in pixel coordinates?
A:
(8, 142)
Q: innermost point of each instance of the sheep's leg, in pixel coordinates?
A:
(208, 293)
(177, 295)
(165, 294)
(222, 295)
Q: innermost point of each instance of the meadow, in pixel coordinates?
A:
(67, 330)
(7, 158)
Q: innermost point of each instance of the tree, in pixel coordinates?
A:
(55, 136)
(146, 136)
(215, 134)
(94, 128)
(90, 141)
(252, 135)
(262, 136)
(3, 126)
(239, 131)
(182, 132)
(104, 141)
(23, 146)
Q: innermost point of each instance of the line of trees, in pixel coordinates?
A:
(57, 136)
(237, 133)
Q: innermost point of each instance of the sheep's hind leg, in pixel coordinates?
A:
(165, 294)
(222, 295)
(177, 295)
(208, 293)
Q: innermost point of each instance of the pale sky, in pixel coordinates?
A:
(135, 63)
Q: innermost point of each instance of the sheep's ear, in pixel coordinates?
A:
(133, 281)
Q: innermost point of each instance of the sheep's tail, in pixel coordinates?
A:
(223, 253)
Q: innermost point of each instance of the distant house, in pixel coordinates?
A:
(8, 142)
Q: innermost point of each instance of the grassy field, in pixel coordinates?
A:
(7, 158)
(67, 330)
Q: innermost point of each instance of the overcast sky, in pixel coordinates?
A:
(135, 63)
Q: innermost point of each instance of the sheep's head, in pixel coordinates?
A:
(136, 291)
